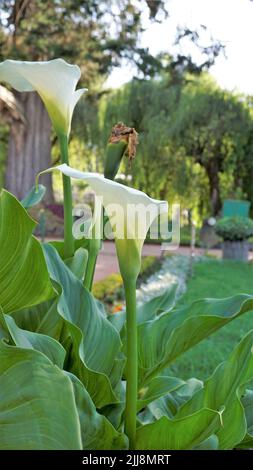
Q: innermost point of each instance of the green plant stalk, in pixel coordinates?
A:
(132, 363)
(91, 265)
(69, 247)
(94, 248)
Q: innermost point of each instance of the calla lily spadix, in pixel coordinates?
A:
(131, 212)
(55, 81)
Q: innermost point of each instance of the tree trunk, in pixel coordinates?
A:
(214, 188)
(29, 149)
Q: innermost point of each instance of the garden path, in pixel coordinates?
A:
(107, 260)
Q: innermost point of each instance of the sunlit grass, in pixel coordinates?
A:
(216, 279)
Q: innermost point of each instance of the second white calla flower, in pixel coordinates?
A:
(55, 81)
(131, 213)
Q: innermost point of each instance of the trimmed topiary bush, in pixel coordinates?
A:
(235, 231)
(234, 228)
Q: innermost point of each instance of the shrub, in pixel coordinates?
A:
(149, 265)
(106, 289)
(111, 288)
(234, 228)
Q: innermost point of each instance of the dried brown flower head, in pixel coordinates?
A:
(121, 132)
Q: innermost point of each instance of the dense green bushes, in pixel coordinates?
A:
(234, 228)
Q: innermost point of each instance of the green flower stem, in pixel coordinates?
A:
(91, 264)
(95, 244)
(69, 247)
(132, 362)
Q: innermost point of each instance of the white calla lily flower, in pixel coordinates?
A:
(131, 213)
(55, 81)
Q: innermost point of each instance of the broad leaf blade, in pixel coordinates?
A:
(24, 279)
(59, 246)
(165, 338)
(42, 318)
(169, 404)
(158, 387)
(247, 401)
(92, 343)
(178, 434)
(30, 340)
(77, 264)
(224, 389)
(211, 443)
(37, 403)
(96, 431)
(148, 310)
(162, 303)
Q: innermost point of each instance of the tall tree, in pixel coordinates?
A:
(214, 127)
(192, 134)
(93, 34)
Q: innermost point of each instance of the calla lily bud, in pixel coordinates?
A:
(123, 141)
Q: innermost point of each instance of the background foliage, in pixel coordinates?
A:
(168, 91)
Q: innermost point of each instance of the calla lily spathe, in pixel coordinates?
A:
(129, 215)
(55, 81)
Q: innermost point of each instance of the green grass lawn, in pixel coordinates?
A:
(217, 279)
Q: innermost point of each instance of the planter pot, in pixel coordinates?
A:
(238, 250)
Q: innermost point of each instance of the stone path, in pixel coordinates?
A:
(174, 270)
(107, 260)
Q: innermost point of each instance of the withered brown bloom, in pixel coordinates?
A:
(121, 132)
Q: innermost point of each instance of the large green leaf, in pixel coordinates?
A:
(169, 404)
(247, 401)
(178, 434)
(37, 403)
(24, 279)
(163, 339)
(157, 305)
(224, 389)
(77, 264)
(211, 443)
(158, 387)
(115, 412)
(30, 340)
(59, 246)
(96, 431)
(42, 318)
(42, 407)
(92, 343)
(147, 310)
